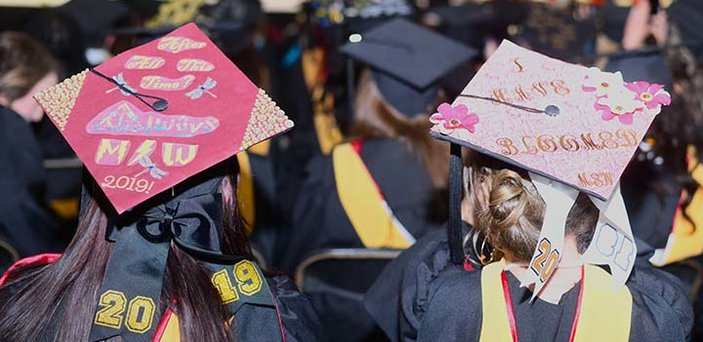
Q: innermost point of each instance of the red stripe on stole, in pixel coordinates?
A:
(578, 307)
(509, 306)
(162, 326)
(280, 321)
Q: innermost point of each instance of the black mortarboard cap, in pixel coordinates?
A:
(410, 60)
(95, 17)
(467, 23)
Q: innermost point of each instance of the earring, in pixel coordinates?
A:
(485, 260)
(486, 253)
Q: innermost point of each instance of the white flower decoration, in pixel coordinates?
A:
(602, 83)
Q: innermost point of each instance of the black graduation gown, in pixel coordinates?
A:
(651, 212)
(24, 220)
(297, 319)
(652, 193)
(320, 222)
(397, 300)
(62, 184)
(661, 310)
(290, 152)
(21, 155)
(268, 221)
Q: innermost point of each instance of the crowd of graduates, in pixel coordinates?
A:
(354, 203)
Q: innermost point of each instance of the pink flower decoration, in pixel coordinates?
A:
(450, 118)
(619, 104)
(652, 95)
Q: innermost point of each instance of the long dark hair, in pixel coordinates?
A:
(71, 283)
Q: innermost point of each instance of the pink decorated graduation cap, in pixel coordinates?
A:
(573, 128)
(157, 114)
(577, 125)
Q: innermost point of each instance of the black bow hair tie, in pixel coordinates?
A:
(193, 224)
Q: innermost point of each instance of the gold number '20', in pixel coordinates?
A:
(140, 312)
(546, 261)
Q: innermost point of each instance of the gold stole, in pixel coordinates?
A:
(172, 330)
(328, 134)
(685, 241)
(369, 214)
(604, 314)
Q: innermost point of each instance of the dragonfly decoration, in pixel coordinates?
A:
(203, 88)
(119, 79)
(150, 166)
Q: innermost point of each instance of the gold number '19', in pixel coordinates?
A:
(246, 276)
(140, 312)
(224, 286)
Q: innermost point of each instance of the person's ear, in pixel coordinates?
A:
(4, 101)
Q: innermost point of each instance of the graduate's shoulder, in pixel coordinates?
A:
(454, 310)
(295, 311)
(465, 284)
(660, 301)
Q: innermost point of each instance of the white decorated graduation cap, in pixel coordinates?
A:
(573, 128)
(407, 61)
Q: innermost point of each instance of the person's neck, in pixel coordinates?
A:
(566, 275)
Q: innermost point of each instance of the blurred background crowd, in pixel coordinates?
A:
(298, 218)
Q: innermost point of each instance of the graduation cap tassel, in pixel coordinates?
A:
(454, 233)
(159, 105)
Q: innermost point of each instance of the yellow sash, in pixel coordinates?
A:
(245, 192)
(605, 313)
(685, 241)
(260, 149)
(370, 215)
(245, 188)
(328, 134)
(66, 208)
(172, 332)
(496, 325)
